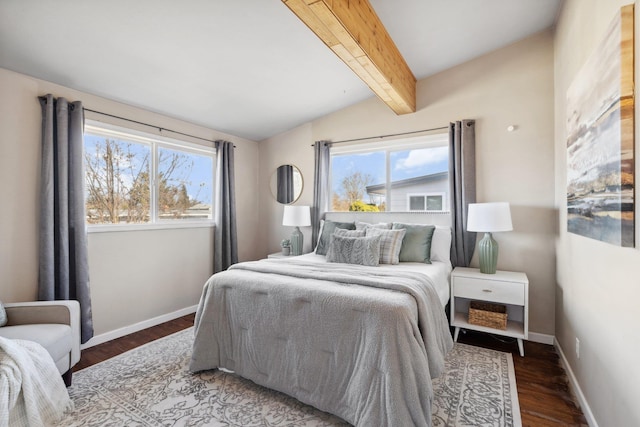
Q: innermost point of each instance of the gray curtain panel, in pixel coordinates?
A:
(462, 184)
(321, 189)
(284, 177)
(64, 267)
(225, 236)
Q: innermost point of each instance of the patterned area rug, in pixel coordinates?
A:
(151, 386)
(477, 389)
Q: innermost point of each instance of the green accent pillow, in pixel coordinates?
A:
(3, 315)
(327, 230)
(416, 246)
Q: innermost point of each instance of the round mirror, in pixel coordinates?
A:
(286, 184)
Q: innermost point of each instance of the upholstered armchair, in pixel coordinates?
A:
(53, 324)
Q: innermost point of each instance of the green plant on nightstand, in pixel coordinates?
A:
(286, 247)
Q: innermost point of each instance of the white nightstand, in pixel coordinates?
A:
(504, 287)
(278, 255)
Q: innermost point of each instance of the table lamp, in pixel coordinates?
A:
(489, 218)
(296, 216)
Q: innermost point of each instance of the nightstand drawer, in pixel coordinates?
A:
(487, 290)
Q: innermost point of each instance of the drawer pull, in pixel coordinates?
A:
(487, 290)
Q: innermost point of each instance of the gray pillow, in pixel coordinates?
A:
(327, 230)
(343, 232)
(3, 315)
(354, 250)
(416, 246)
(364, 225)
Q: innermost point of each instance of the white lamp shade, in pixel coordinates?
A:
(296, 216)
(489, 217)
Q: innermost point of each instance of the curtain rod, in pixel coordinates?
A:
(141, 123)
(160, 128)
(385, 136)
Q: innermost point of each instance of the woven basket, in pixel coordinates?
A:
(488, 314)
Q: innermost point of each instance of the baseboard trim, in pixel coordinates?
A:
(117, 333)
(541, 338)
(575, 387)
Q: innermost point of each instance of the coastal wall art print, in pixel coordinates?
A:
(600, 139)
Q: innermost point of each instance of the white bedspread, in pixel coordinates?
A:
(32, 392)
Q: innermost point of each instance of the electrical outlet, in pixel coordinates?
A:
(577, 348)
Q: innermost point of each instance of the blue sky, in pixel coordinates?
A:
(198, 180)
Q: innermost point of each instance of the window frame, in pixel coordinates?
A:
(94, 127)
(435, 140)
(426, 195)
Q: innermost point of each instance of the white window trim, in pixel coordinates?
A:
(154, 141)
(144, 138)
(116, 228)
(428, 141)
(425, 195)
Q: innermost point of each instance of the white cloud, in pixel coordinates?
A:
(423, 158)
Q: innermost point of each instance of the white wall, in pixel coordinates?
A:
(511, 86)
(598, 293)
(292, 147)
(135, 275)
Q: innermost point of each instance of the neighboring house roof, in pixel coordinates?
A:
(199, 207)
(424, 179)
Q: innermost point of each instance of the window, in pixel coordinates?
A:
(137, 178)
(396, 176)
(426, 202)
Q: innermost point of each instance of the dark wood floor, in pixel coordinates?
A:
(102, 352)
(543, 390)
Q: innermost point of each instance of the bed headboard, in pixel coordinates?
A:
(435, 218)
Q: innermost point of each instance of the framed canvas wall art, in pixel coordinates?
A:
(600, 139)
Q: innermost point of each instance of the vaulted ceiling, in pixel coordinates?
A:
(247, 67)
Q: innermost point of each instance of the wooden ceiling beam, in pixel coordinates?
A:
(354, 32)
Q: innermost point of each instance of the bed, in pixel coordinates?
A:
(360, 342)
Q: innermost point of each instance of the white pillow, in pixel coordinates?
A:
(441, 244)
(319, 235)
(3, 314)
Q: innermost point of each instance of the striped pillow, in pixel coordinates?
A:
(390, 244)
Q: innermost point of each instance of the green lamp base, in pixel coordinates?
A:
(297, 239)
(488, 254)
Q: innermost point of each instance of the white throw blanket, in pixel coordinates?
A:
(32, 392)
